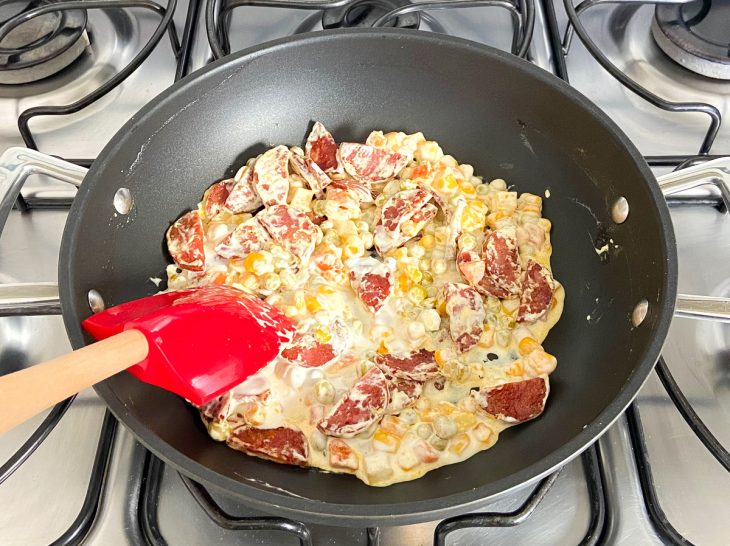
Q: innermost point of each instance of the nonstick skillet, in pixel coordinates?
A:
(614, 248)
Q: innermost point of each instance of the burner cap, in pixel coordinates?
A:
(41, 46)
(696, 35)
(363, 13)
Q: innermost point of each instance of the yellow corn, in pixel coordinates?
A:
(510, 306)
(404, 282)
(313, 304)
(427, 241)
(325, 290)
(413, 273)
(445, 408)
(323, 335)
(527, 345)
(474, 216)
(417, 294)
(253, 262)
(385, 441)
(394, 425)
(382, 349)
(464, 420)
(445, 184)
(486, 340)
(483, 433)
(494, 218)
(459, 443)
(515, 370)
(467, 189)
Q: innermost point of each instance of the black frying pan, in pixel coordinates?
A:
(504, 116)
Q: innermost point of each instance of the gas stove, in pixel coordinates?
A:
(70, 77)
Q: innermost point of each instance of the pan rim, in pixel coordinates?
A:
(312, 510)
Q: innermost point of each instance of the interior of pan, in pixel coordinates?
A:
(505, 117)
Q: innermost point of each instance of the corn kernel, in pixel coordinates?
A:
(394, 425)
(486, 340)
(271, 282)
(459, 443)
(527, 345)
(322, 335)
(382, 349)
(467, 189)
(445, 184)
(325, 290)
(253, 262)
(404, 282)
(516, 369)
(427, 241)
(445, 408)
(483, 433)
(510, 306)
(464, 420)
(313, 304)
(385, 441)
(414, 274)
(417, 294)
(250, 282)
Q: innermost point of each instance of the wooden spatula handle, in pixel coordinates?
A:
(27, 392)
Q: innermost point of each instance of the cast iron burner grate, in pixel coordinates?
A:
(36, 47)
(696, 35)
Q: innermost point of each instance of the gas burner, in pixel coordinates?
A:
(41, 46)
(363, 13)
(696, 35)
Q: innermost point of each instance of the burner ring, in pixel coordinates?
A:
(363, 13)
(40, 39)
(690, 38)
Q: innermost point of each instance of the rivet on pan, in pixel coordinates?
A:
(620, 210)
(96, 302)
(123, 201)
(640, 311)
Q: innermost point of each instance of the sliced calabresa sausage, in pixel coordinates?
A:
(290, 228)
(185, 242)
(515, 402)
(248, 237)
(313, 175)
(322, 149)
(372, 281)
(370, 164)
(502, 264)
(537, 292)
(362, 406)
(402, 217)
(418, 366)
(403, 393)
(308, 351)
(215, 197)
(360, 189)
(243, 196)
(271, 178)
(466, 314)
(281, 444)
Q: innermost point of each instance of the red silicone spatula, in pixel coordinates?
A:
(197, 343)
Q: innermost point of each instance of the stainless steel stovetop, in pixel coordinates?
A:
(42, 499)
